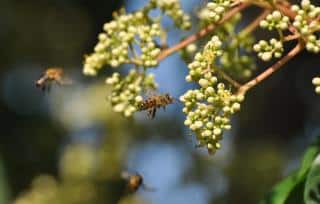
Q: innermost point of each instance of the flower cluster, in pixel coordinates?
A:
(202, 61)
(313, 44)
(306, 12)
(209, 108)
(307, 22)
(115, 43)
(316, 82)
(208, 111)
(131, 37)
(126, 93)
(214, 11)
(275, 20)
(173, 9)
(267, 50)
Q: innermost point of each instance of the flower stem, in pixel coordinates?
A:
(244, 88)
(254, 24)
(165, 53)
(228, 78)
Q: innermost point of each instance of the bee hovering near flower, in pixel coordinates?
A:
(50, 75)
(155, 101)
(134, 182)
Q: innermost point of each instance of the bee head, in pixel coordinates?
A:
(135, 181)
(169, 98)
(140, 105)
(37, 83)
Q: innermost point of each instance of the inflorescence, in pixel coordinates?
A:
(210, 107)
(316, 82)
(275, 20)
(306, 26)
(267, 50)
(214, 11)
(305, 23)
(133, 38)
(137, 39)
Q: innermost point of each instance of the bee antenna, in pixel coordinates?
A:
(176, 99)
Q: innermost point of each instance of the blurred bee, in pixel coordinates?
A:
(50, 75)
(134, 182)
(155, 101)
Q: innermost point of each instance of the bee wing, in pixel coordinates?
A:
(176, 100)
(148, 188)
(45, 88)
(150, 92)
(125, 175)
(66, 81)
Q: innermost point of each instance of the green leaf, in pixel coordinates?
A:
(312, 188)
(291, 189)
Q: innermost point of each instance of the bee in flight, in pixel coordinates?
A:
(134, 182)
(155, 101)
(50, 75)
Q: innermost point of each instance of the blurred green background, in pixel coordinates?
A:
(67, 146)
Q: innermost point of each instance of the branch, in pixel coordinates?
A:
(254, 24)
(286, 11)
(165, 53)
(283, 8)
(244, 88)
(291, 37)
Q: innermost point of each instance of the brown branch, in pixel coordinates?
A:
(254, 24)
(165, 53)
(291, 37)
(286, 11)
(244, 88)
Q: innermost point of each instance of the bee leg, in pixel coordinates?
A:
(59, 82)
(149, 112)
(148, 188)
(153, 113)
(43, 88)
(48, 88)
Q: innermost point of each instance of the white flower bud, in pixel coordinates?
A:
(266, 56)
(187, 122)
(316, 81)
(119, 107)
(236, 106)
(206, 133)
(217, 131)
(203, 83)
(138, 99)
(198, 124)
(191, 48)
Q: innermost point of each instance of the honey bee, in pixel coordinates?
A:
(54, 74)
(155, 101)
(134, 182)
